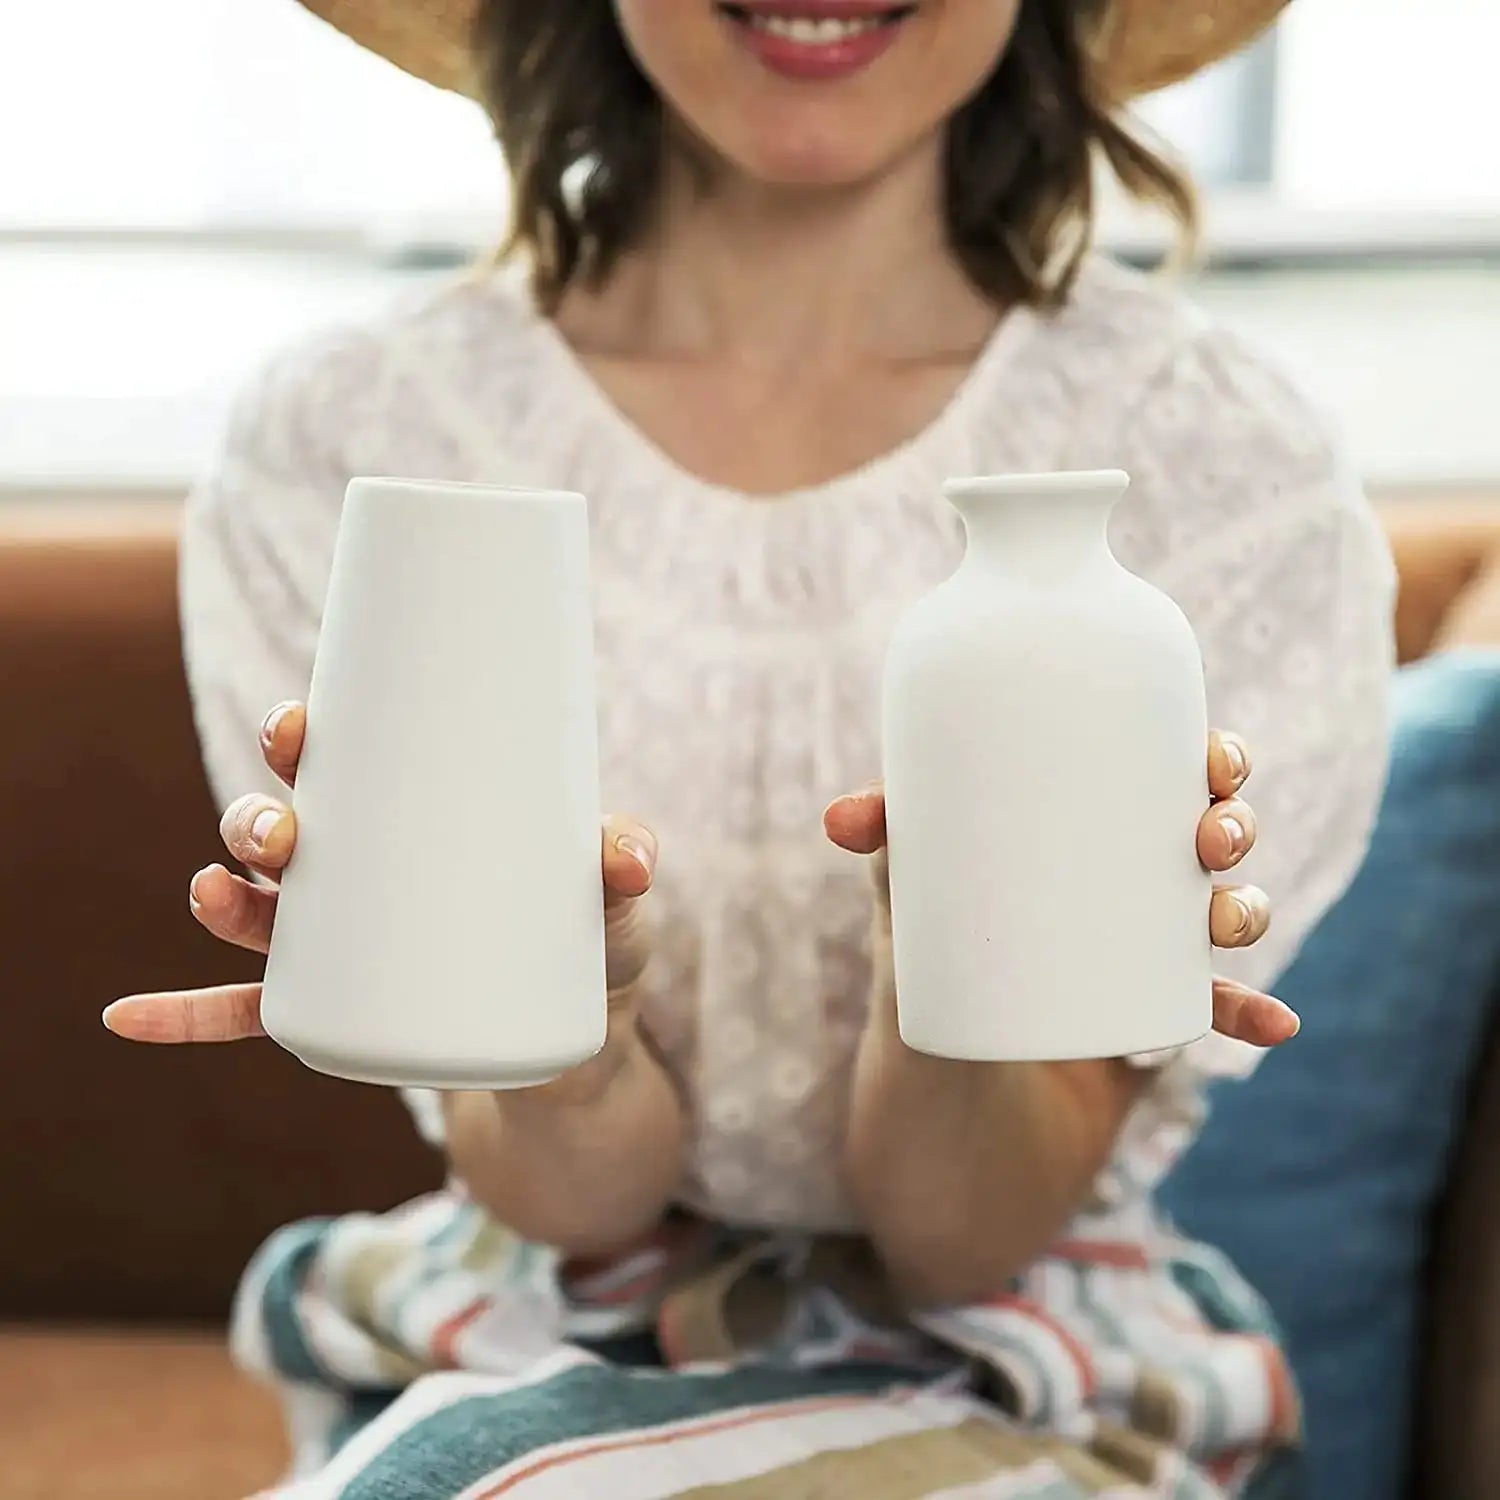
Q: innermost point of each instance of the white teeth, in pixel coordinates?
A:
(813, 31)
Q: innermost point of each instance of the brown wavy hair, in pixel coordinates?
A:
(582, 130)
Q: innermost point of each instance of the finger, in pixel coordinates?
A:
(629, 859)
(629, 862)
(1249, 1016)
(259, 832)
(225, 1013)
(281, 735)
(856, 821)
(880, 876)
(1238, 915)
(1228, 763)
(234, 909)
(1226, 834)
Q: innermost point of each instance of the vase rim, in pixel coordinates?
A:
(520, 494)
(1058, 482)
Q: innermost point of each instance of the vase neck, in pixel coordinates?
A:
(1040, 527)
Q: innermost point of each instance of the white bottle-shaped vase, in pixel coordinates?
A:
(441, 921)
(1046, 767)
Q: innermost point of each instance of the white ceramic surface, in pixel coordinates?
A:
(1045, 761)
(441, 921)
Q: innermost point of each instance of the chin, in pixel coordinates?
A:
(779, 156)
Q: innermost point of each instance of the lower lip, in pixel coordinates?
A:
(824, 60)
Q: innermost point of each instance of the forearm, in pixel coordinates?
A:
(964, 1172)
(585, 1164)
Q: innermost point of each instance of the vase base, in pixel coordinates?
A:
(1059, 1053)
(434, 1076)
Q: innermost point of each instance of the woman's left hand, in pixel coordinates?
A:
(1238, 914)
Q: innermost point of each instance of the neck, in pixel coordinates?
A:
(776, 275)
(1044, 528)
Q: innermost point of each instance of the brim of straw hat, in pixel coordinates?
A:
(1147, 44)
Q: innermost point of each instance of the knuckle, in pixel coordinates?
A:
(238, 918)
(628, 921)
(629, 934)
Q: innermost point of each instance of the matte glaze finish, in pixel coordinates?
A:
(441, 921)
(1046, 768)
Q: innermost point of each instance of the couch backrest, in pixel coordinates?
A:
(134, 1180)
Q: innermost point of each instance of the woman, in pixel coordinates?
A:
(781, 266)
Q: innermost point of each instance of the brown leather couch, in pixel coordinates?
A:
(134, 1181)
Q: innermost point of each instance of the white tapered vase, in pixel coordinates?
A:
(440, 923)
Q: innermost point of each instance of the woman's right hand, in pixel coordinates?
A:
(261, 833)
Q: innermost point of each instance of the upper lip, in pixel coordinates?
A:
(819, 9)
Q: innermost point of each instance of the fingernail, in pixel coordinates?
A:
(117, 1011)
(264, 826)
(1236, 758)
(628, 843)
(1245, 917)
(1234, 831)
(271, 720)
(193, 893)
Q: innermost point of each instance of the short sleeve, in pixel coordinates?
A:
(1243, 510)
(257, 544)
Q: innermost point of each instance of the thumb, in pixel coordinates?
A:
(856, 821)
(628, 860)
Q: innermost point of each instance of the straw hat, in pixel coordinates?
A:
(1149, 43)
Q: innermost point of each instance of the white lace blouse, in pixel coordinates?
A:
(740, 641)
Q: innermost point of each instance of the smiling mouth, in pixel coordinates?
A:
(810, 40)
(813, 25)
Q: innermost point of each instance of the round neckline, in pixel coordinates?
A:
(1013, 330)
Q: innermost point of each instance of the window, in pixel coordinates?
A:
(1384, 101)
(228, 115)
(1336, 131)
(1221, 120)
(251, 117)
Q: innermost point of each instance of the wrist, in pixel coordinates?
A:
(581, 1164)
(591, 1084)
(894, 1085)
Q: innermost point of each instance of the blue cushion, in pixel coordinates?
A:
(1318, 1174)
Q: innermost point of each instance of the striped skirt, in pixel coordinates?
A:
(429, 1354)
